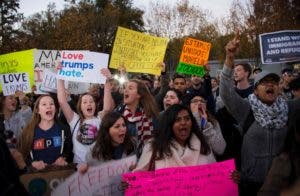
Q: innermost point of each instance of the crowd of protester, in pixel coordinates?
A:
(165, 122)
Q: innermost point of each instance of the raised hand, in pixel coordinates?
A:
(105, 72)
(231, 49)
(202, 111)
(122, 69)
(58, 66)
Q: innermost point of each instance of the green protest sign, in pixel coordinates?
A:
(190, 69)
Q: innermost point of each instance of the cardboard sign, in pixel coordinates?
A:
(212, 179)
(83, 66)
(42, 183)
(13, 82)
(280, 46)
(18, 62)
(193, 57)
(77, 88)
(104, 179)
(49, 82)
(138, 52)
(44, 60)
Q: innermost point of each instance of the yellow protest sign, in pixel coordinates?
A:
(193, 57)
(138, 52)
(18, 62)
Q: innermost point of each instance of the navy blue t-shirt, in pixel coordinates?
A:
(47, 144)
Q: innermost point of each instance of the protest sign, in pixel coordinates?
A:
(13, 82)
(77, 88)
(49, 82)
(194, 57)
(280, 46)
(212, 179)
(138, 52)
(44, 60)
(83, 66)
(104, 179)
(43, 182)
(18, 62)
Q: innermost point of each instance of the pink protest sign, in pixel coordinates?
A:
(213, 179)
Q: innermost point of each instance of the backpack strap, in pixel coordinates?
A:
(74, 128)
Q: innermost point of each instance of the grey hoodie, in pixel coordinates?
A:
(260, 145)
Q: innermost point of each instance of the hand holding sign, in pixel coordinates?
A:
(39, 165)
(21, 95)
(162, 66)
(60, 161)
(106, 73)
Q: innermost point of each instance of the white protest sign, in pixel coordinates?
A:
(49, 82)
(12, 82)
(44, 60)
(104, 179)
(77, 88)
(83, 66)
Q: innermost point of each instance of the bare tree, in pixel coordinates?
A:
(175, 21)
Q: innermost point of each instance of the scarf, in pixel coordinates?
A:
(143, 124)
(270, 117)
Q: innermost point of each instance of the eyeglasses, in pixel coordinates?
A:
(198, 100)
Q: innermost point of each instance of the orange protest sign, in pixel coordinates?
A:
(195, 52)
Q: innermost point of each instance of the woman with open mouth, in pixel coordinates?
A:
(112, 143)
(140, 111)
(178, 142)
(85, 124)
(15, 118)
(171, 97)
(208, 125)
(45, 141)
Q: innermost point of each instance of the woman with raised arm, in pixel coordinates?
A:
(85, 124)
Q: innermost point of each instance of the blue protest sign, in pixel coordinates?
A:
(280, 46)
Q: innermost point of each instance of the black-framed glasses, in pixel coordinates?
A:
(198, 100)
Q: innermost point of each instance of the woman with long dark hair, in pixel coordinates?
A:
(112, 143)
(178, 142)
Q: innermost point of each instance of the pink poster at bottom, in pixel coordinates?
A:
(212, 179)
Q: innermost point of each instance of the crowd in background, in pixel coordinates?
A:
(166, 122)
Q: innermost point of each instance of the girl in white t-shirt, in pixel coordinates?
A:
(85, 124)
